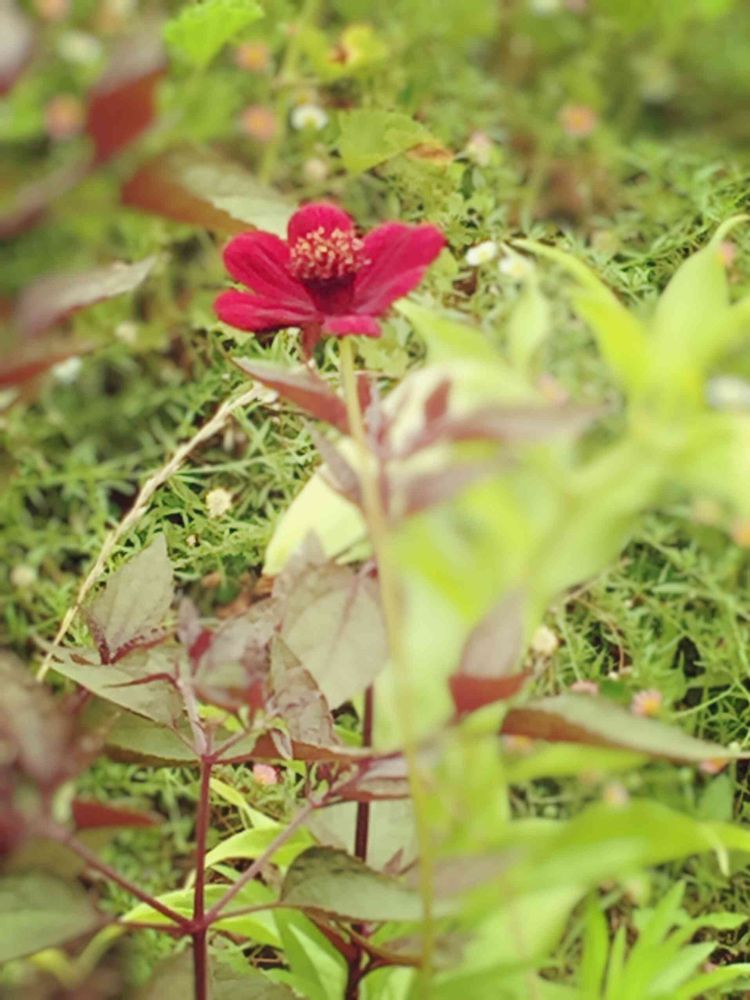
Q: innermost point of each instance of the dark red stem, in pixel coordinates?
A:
(363, 808)
(199, 935)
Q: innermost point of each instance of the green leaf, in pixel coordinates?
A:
(197, 33)
(250, 844)
(317, 970)
(173, 979)
(576, 718)
(529, 324)
(40, 911)
(327, 880)
(369, 136)
(134, 602)
(447, 338)
(621, 338)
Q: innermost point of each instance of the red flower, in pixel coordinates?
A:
(323, 277)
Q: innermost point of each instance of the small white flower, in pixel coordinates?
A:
(544, 642)
(315, 170)
(23, 576)
(728, 392)
(479, 148)
(127, 332)
(67, 371)
(482, 253)
(544, 7)
(79, 47)
(310, 116)
(514, 266)
(218, 502)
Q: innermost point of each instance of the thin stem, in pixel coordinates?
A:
(299, 820)
(63, 837)
(200, 942)
(377, 524)
(362, 830)
(287, 70)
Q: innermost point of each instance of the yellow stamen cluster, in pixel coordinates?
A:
(322, 256)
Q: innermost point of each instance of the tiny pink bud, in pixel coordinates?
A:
(264, 774)
(585, 687)
(648, 703)
(578, 120)
(259, 122)
(63, 116)
(255, 57)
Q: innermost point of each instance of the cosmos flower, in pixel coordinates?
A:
(324, 278)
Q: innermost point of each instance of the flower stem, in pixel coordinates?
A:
(199, 935)
(299, 820)
(377, 524)
(362, 830)
(286, 73)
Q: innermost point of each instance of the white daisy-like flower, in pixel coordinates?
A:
(23, 576)
(482, 253)
(514, 266)
(544, 642)
(218, 502)
(309, 116)
(67, 371)
(127, 332)
(315, 170)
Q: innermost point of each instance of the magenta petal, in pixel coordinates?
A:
(398, 256)
(341, 326)
(256, 313)
(260, 261)
(318, 215)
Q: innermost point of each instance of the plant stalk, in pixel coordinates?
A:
(199, 935)
(377, 524)
(362, 831)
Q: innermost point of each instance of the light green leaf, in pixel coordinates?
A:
(447, 338)
(197, 33)
(40, 911)
(369, 136)
(529, 324)
(621, 338)
(250, 844)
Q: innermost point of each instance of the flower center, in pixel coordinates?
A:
(322, 256)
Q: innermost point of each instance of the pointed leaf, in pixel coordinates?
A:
(302, 387)
(334, 625)
(528, 325)
(369, 136)
(134, 602)
(571, 718)
(621, 338)
(39, 911)
(88, 815)
(298, 700)
(122, 103)
(203, 189)
(330, 881)
(50, 299)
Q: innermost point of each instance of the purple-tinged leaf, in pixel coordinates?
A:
(122, 103)
(174, 978)
(50, 299)
(572, 718)
(391, 843)
(40, 911)
(436, 404)
(200, 188)
(324, 880)
(337, 470)
(298, 701)
(429, 489)
(302, 387)
(488, 667)
(35, 732)
(16, 44)
(88, 815)
(140, 684)
(232, 670)
(136, 598)
(333, 623)
(507, 424)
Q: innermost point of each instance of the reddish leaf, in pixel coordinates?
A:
(35, 733)
(436, 404)
(334, 624)
(572, 718)
(16, 44)
(337, 470)
(302, 387)
(487, 671)
(198, 187)
(233, 668)
(508, 424)
(32, 358)
(134, 602)
(431, 488)
(298, 701)
(122, 102)
(89, 815)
